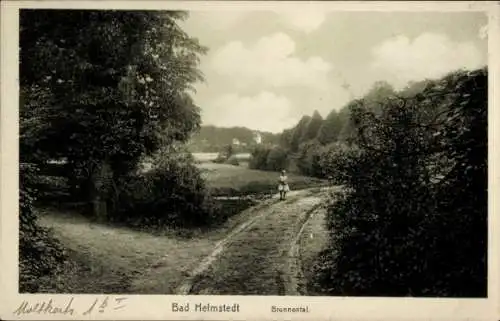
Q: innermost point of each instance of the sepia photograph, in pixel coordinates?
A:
(295, 153)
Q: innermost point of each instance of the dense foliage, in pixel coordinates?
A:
(412, 217)
(299, 148)
(259, 157)
(101, 90)
(104, 88)
(331, 127)
(276, 159)
(42, 256)
(226, 156)
(172, 194)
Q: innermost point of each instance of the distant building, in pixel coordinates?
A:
(236, 141)
(257, 137)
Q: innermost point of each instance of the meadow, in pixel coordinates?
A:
(226, 180)
(208, 157)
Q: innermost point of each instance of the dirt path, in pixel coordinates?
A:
(295, 278)
(112, 259)
(261, 258)
(254, 253)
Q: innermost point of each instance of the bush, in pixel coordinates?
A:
(41, 256)
(173, 194)
(233, 161)
(224, 155)
(459, 232)
(269, 158)
(309, 158)
(219, 159)
(259, 156)
(333, 160)
(277, 159)
(406, 225)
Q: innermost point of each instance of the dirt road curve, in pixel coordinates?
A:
(260, 256)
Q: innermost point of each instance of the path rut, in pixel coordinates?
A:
(259, 257)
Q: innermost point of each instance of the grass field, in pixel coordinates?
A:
(208, 157)
(229, 180)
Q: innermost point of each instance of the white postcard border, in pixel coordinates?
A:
(157, 307)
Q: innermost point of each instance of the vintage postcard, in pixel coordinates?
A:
(209, 160)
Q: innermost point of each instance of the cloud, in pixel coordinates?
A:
(218, 19)
(305, 19)
(428, 56)
(483, 32)
(265, 111)
(270, 61)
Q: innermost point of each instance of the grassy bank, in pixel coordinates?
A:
(313, 240)
(113, 259)
(107, 258)
(229, 180)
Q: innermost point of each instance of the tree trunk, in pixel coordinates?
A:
(100, 186)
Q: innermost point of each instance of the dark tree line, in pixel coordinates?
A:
(299, 148)
(212, 139)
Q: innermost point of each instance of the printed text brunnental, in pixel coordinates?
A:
(297, 309)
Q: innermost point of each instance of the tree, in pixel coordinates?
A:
(210, 138)
(277, 159)
(225, 154)
(383, 178)
(312, 128)
(372, 100)
(347, 133)
(415, 198)
(299, 132)
(379, 91)
(117, 85)
(330, 128)
(229, 151)
(329, 157)
(459, 261)
(259, 156)
(285, 139)
(415, 87)
(308, 158)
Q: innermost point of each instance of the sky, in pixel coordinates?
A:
(264, 70)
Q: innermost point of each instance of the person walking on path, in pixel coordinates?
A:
(283, 187)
